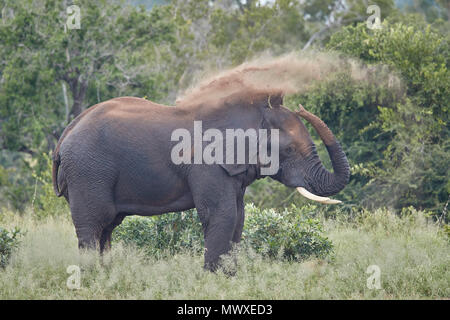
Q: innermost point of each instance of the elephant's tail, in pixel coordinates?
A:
(57, 157)
(55, 169)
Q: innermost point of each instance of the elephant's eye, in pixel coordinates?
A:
(290, 150)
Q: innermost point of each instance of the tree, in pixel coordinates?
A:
(327, 16)
(50, 73)
(414, 169)
(42, 57)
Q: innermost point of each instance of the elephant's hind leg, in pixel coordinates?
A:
(91, 216)
(105, 240)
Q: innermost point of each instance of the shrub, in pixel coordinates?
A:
(166, 234)
(9, 240)
(292, 234)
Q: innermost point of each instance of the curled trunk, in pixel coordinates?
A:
(324, 182)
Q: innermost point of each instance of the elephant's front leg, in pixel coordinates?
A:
(219, 232)
(240, 217)
(215, 197)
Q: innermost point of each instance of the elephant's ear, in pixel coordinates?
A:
(234, 169)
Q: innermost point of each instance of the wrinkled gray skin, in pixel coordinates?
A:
(114, 160)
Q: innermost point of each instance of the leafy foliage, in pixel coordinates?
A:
(9, 240)
(411, 164)
(292, 234)
(166, 234)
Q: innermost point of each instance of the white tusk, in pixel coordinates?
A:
(313, 197)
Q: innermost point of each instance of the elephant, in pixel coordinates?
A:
(114, 160)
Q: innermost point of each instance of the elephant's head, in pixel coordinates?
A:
(299, 163)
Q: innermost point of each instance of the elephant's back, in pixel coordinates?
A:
(121, 110)
(122, 131)
(117, 117)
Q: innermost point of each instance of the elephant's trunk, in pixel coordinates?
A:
(324, 182)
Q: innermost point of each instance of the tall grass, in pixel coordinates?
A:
(411, 252)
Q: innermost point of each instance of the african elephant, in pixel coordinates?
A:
(114, 160)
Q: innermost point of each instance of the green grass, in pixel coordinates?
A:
(411, 252)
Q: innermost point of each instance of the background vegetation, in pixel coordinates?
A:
(413, 256)
(396, 136)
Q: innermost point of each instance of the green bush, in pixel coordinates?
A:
(9, 240)
(166, 234)
(292, 234)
